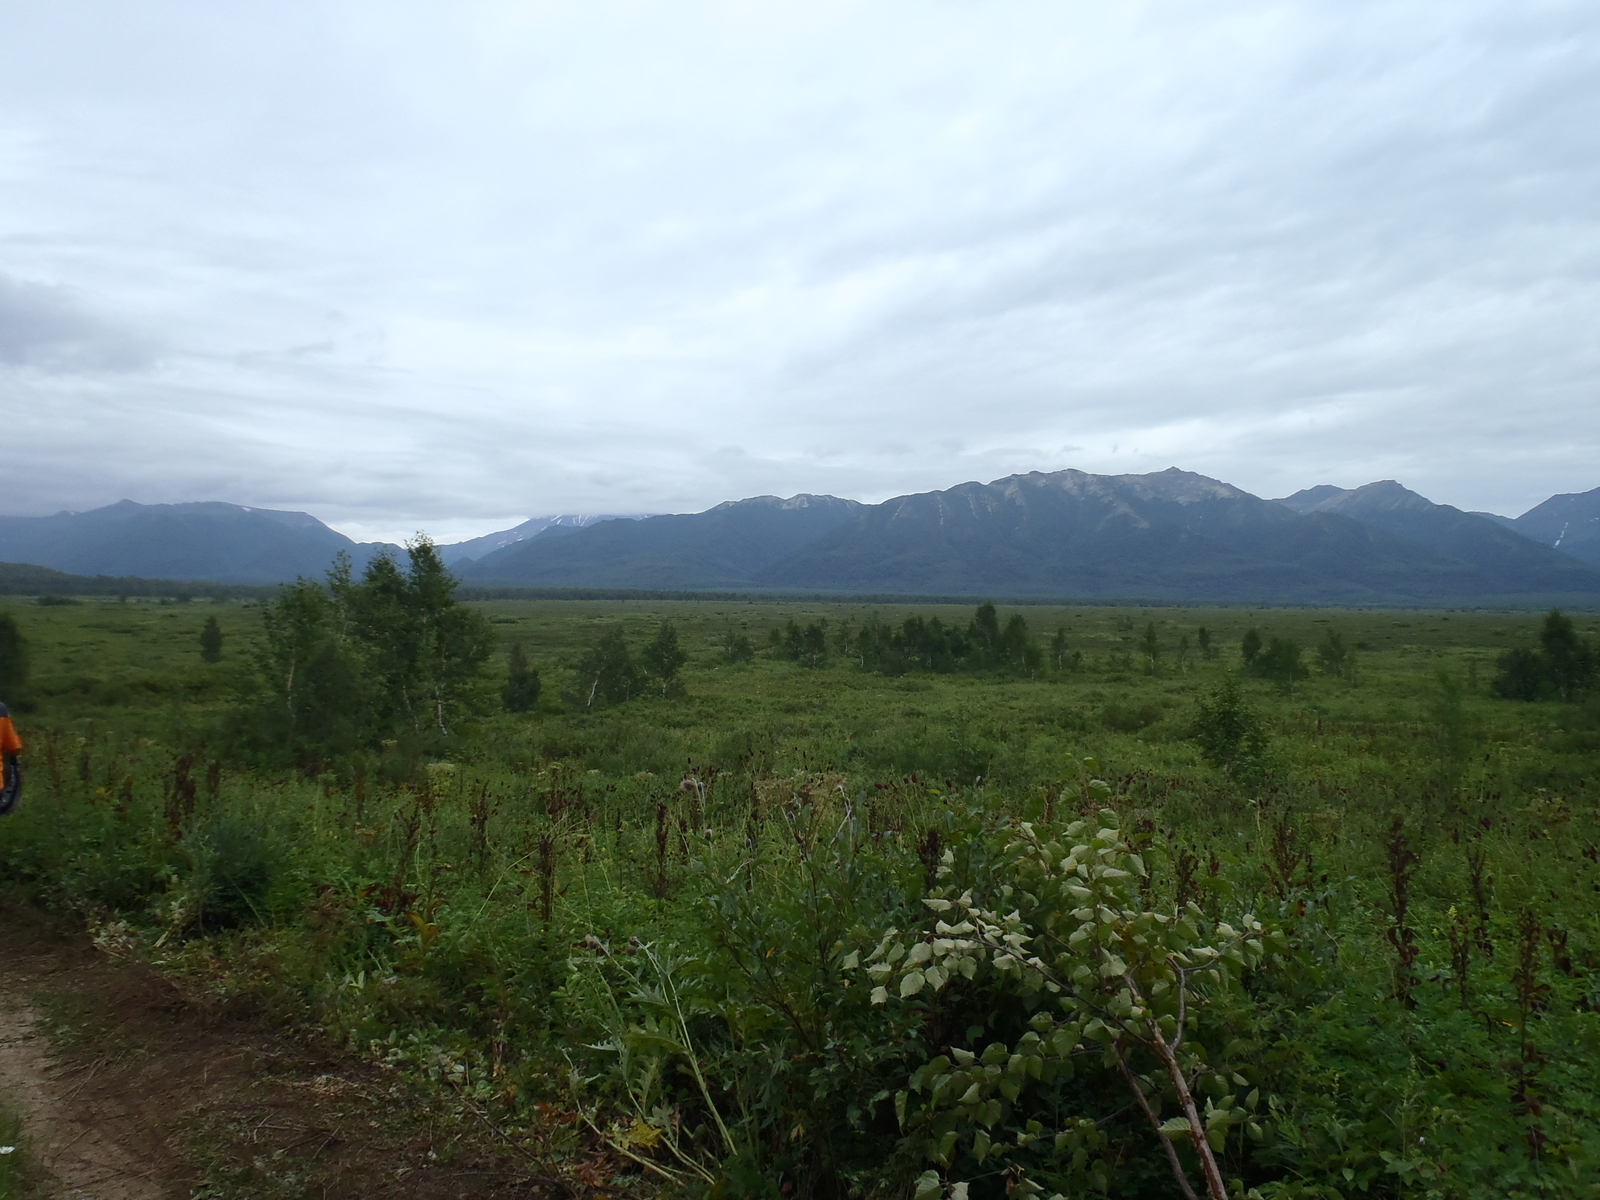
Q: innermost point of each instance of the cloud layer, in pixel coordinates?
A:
(410, 267)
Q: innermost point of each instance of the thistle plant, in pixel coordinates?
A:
(647, 1017)
(1093, 973)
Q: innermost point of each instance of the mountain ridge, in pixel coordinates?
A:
(721, 547)
(1569, 522)
(1502, 554)
(1167, 536)
(210, 540)
(473, 549)
(1173, 535)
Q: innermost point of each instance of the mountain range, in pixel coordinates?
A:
(210, 540)
(733, 545)
(478, 547)
(1570, 523)
(1170, 536)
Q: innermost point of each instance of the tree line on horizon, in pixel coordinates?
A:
(347, 664)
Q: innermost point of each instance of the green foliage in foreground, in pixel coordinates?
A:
(14, 1164)
(663, 925)
(1090, 970)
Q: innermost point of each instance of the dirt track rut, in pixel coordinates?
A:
(88, 1147)
(132, 1088)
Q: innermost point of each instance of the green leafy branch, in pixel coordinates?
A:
(1071, 930)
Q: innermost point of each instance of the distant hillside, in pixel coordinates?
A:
(1569, 523)
(1168, 537)
(222, 542)
(725, 547)
(24, 579)
(478, 547)
(1171, 536)
(1509, 561)
(1507, 522)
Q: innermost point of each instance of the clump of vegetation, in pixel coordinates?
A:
(1250, 648)
(521, 692)
(930, 644)
(664, 659)
(211, 640)
(607, 674)
(1564, 666)
(1076, 967)
(15, 666)
(346, 665)
(1333, 656)
(16, 1174)
(1130, 718)
(737, 648)
(806, 645)
(1231, 734)
(1062, 656)
(1278, 661)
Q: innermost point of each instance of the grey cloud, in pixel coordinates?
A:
(414, 268)
(48, 328)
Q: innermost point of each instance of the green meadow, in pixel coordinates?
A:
(1108, 915)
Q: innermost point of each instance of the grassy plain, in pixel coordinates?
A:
(1432, 853)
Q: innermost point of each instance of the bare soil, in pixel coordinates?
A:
(130, 1090)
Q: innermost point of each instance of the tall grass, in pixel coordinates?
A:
(631, 925)
(16, 1176)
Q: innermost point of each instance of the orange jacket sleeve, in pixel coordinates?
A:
(10, 743)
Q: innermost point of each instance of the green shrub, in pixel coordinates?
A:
(521, 693)
(606, 674)
(1072, 966)
(235, 865)
(1565, 667)
(663, 658)
(806, 645)
(1130, 718)
(1230, 734)
(1280, 662)
(15, 667)
(737, 648)
(211, 640)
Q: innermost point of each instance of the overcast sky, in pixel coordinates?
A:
(448, 266)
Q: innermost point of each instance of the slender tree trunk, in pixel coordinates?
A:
(1197, 1130)
(1155, 1123)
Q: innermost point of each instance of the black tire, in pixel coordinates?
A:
(11, 792)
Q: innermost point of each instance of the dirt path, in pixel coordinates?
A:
(87, 1151)
(130, 1090)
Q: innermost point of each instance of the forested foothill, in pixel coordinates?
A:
(823, 900)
